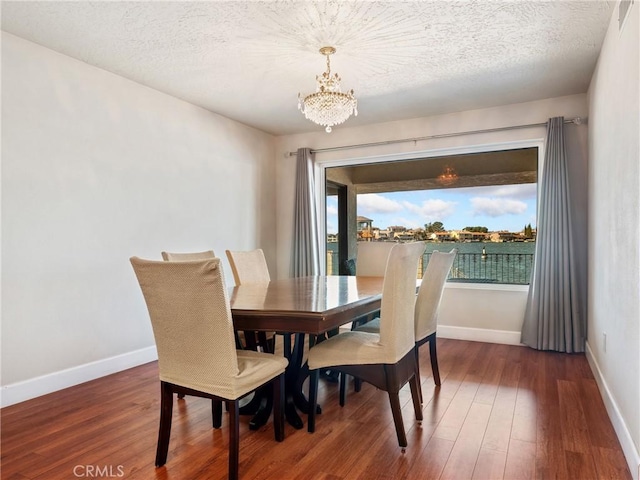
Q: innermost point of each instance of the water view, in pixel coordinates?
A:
(476, 262)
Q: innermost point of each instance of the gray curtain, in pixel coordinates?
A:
(306, 252)
(554, 319)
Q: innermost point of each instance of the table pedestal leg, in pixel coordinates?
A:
(295, 374)
(261, 404)
(291, 377)
(265, 406)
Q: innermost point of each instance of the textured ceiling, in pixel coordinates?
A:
(248, 60)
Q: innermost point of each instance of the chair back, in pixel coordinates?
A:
(430, 292)
(371, 259)
(186, 257)
(191, 318)
(397, 330)
(249, 266)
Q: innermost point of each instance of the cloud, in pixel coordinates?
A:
(332, 210)
(496, 207)
(369, 203)
(433, 210)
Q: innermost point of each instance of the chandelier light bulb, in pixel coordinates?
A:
(328, 105)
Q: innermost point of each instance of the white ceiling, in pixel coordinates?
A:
(248, 60)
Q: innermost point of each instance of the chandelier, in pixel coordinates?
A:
(328, 106)
(448, 176)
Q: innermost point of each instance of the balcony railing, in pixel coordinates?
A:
(510, 268)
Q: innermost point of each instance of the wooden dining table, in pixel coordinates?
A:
(300, 306)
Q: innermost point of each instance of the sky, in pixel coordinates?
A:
(501, 207)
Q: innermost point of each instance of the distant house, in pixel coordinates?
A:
(443, 236)
(365, 228)
(505, 236)
(466, 236)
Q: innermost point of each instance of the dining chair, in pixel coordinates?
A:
(427, 308)
(371, 261)
(385, 359)
(371, 258)
(250, 266)
(190, 315)
(185, 257)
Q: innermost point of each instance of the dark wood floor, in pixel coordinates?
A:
(502, 412)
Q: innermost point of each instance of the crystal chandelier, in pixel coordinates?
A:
(328, 106)
(448, 176)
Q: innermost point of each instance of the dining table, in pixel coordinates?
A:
(297, 307)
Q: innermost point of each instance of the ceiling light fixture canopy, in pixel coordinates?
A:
(328, 106)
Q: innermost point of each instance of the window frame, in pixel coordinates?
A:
(322, 164)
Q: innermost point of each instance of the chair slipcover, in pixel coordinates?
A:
(371, 259)
(430, 292)
(193, 329)
(429, 296)
(249, 266)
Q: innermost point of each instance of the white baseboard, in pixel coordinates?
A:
(629, 449)
(52, 382)
(479, 334)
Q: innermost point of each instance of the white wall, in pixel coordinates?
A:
(482, 312)
(95, 169)
(500, 318)
(614, 230)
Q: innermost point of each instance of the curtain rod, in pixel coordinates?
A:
(576, 121)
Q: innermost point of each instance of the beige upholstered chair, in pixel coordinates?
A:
(190, 256)
(385, 359)
(427, 306)
(371, 258)
(185, 257)
(371, 261)
(250, 266)
(189, 308)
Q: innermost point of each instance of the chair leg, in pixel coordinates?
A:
(216, 413)
(234, 437)
(166, 412)
(278, 407)
(343, 388)
(434, 358)
(394, 400)
(416, 397)
(417, 355)
(314, 376)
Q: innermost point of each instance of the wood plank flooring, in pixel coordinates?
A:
(502, 412)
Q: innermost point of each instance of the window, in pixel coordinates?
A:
(483, 204)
